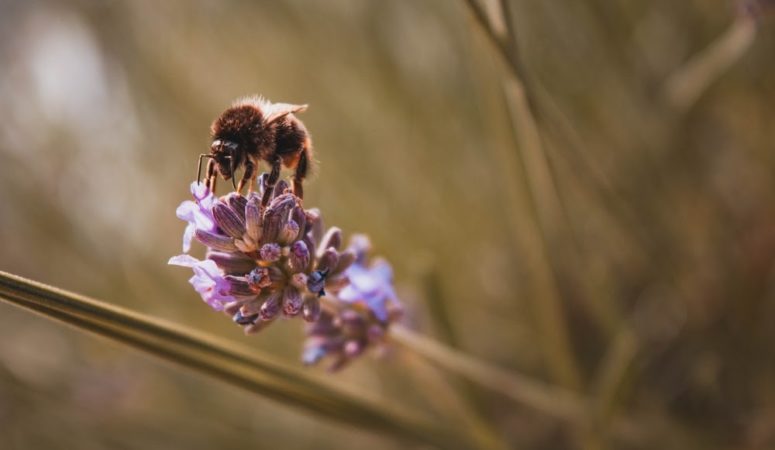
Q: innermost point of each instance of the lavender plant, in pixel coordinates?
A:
(263, 263)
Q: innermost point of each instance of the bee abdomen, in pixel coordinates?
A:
(291, 137)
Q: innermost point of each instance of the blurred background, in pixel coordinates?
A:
(630, 260)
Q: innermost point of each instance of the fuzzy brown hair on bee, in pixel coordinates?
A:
(253, 130)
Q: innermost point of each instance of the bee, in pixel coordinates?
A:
(254, 129)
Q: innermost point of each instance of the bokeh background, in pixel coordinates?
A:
(631, 261)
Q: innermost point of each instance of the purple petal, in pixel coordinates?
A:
(371, 287)
(382, 269)
(183, 260)
(197, 213)
(199, 190)
(208, 280)
(188, 235)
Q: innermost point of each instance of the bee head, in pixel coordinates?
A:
(227, 156)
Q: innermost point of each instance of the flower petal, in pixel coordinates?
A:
(183, 260)
(188, 234)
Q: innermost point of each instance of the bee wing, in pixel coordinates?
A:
(277, 111)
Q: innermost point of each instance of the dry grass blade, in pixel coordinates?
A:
(684, 87)
(554, 401)
(218, 359)
(542, 202)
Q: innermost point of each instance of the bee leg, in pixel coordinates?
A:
(233, 171)
(199, 167)
(274, 175)
(247, 177)
(300, 174)
(210, 176)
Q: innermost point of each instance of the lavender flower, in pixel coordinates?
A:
(370, 286)
(359, 316)
(263, 263)
(198, 213)
(207, 280)
(267, 262)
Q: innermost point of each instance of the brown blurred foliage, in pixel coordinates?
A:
(660, 245)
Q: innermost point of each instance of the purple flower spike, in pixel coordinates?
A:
(198, 213)
(267, 262)
(208, 280)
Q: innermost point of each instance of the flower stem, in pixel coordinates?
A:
(222, 360)
(554, 401)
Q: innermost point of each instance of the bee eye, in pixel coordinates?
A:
(221, 145)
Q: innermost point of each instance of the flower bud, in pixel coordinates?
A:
(292, 301)
(228, 220)
(288, 233)
(253, 217)
(328, 261)
(237, 203)
(332, 239)
(275, 217)
(270, 228)
(239, 286)
(271, 307)
(215, 241)
(298, 258)
(270, 252)
(232, 263)
(298, 216)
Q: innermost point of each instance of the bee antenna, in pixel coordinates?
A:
(199, 167)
